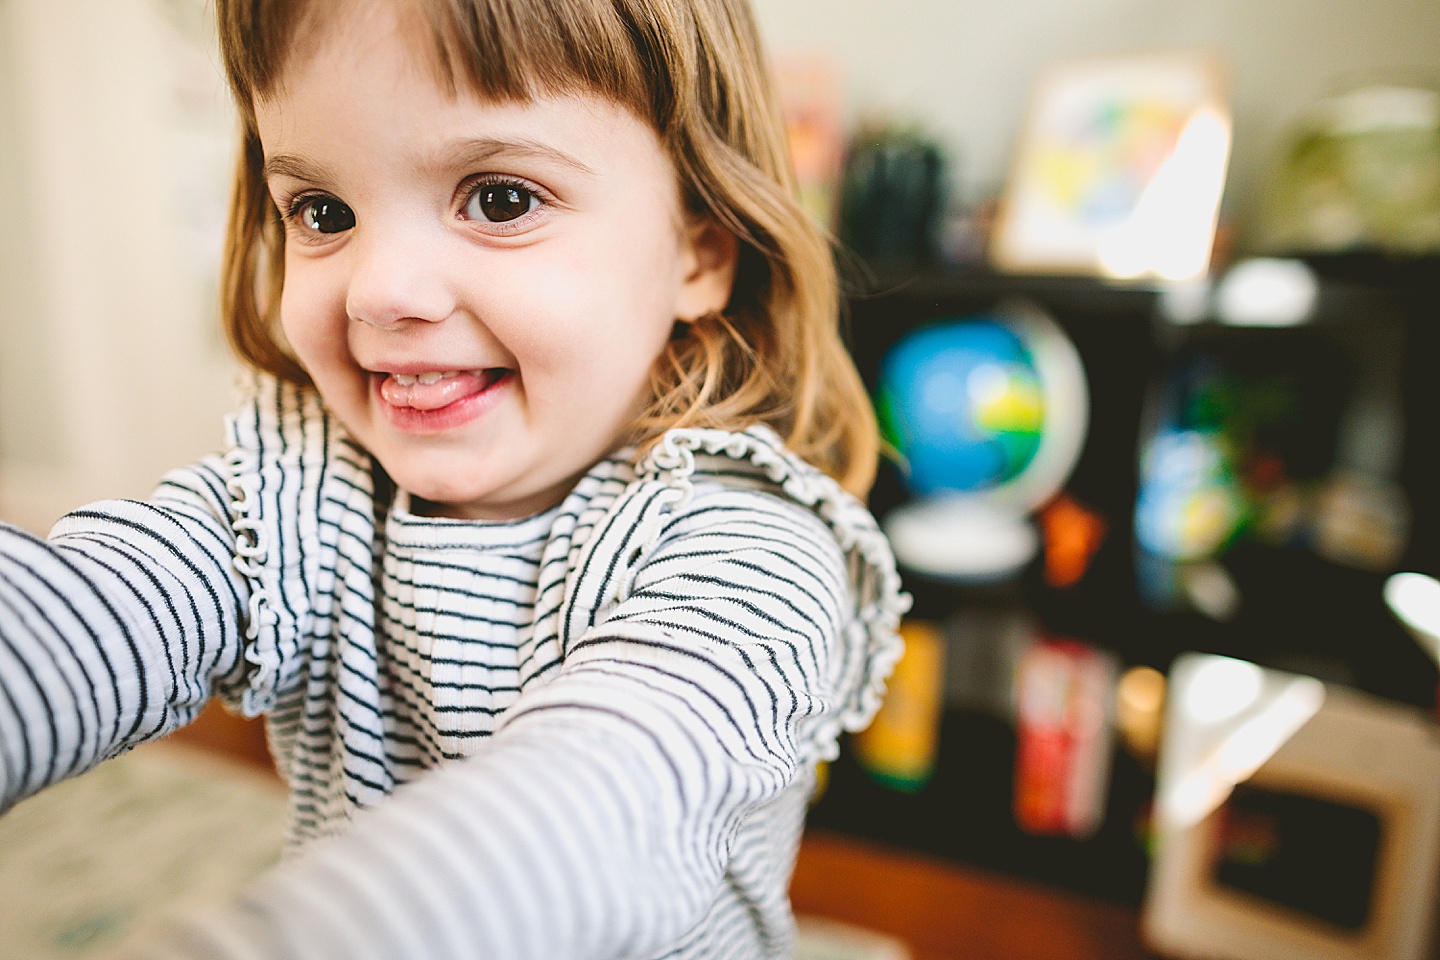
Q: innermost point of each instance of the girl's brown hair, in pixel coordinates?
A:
(694, 70)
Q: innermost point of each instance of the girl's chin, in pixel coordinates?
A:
(433, 493)
(432, 500)
(429, 498)
(457, 508)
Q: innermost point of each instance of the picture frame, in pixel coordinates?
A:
(1119, 169)
(1318, 837)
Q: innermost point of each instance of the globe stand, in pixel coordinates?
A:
(959, 537)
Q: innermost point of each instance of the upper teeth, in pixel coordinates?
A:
(433, 376)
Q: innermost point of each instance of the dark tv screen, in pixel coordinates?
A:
(1302, 852)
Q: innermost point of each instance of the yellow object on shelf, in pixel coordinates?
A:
(899, 747)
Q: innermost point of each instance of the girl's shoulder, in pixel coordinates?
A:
(690, 474)
(745, 491)
(693, 462)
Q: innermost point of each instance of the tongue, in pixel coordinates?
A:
(432, 396)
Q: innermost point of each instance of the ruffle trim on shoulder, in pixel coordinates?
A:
(880, 601)
(251, 543)
(282, 469)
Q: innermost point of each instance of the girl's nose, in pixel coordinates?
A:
(397, 276)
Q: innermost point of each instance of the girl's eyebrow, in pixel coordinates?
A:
(460, 152)
(486, 149)
(288, 165)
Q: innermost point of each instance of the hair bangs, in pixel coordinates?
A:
(519, 50)
(506, 50)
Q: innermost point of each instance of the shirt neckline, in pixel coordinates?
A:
(406, 528)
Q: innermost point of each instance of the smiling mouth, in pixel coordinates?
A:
(437, 389)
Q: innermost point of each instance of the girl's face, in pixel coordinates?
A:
(478, 289)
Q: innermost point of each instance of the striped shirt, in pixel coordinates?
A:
(594, 730)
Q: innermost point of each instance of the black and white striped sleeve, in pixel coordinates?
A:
(599, 821)
(112, 631)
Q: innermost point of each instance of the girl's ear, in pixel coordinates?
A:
(708, 260)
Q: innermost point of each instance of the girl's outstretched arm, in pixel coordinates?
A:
(113, 630)
(650, 794)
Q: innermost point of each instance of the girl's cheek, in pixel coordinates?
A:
(307, 294)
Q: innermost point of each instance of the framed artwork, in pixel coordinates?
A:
(1119, 170)
(1294, 820)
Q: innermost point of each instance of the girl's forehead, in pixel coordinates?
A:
(369, 73)
(351, 33)
(506, 60)
(358, 105)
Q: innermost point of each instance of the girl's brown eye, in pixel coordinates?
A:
(326, 215)
(500, 202)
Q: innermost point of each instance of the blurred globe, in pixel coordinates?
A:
(989, 414)
(962, 403)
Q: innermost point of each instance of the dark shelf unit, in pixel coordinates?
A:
(1300, 612)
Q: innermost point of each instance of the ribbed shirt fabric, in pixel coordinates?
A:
(593, 730)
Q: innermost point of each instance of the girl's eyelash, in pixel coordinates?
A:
(292, 220)
(290, 208)
(470, 185)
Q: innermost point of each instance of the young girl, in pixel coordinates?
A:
(532, 541)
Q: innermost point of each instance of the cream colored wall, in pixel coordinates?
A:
(27, 429)
(112, 369)
(114, 152)
(964, 67)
